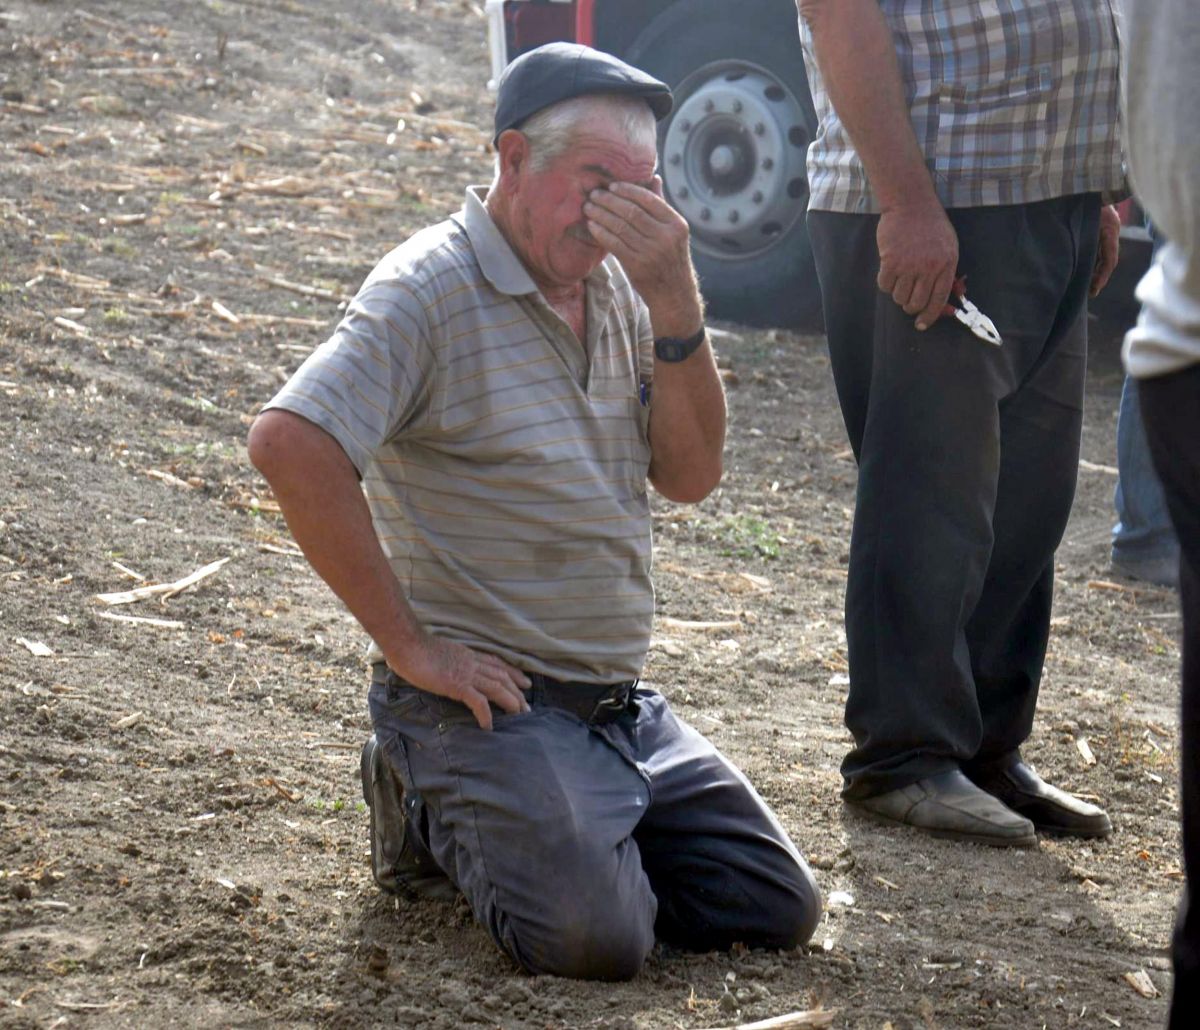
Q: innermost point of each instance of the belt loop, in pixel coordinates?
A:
(537, 688)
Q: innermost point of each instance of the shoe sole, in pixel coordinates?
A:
(366, 774)
(1063, 831)
(1029, 841)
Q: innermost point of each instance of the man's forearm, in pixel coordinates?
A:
(857, 59)
(918, 248)
(687, 427)
(317, 489)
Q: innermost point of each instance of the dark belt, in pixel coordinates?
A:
(594, 703)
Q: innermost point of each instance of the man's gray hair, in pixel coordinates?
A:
(551, 131)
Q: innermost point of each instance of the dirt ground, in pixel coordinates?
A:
(189, 191)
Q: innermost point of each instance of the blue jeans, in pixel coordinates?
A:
(1144, 543)
(578, 844)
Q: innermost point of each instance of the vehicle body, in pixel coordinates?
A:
(733, 150)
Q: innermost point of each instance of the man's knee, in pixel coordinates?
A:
(583, 909)
(591, 940)
(791, 912)
(806, 907)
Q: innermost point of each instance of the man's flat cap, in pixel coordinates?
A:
(559, 71)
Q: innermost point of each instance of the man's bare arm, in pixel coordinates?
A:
(318, 491)
(687, 414)
(918, 248)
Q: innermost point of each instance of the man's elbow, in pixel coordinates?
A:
(259, 442)
(692, 487)
(273, 441)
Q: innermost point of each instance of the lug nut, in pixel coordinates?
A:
(709, 107)
(683, 193)
(734, 217)
(757, 196)
(685, 126)
(737, 107)
(676, 159)
(705, 214)
(768, 163)
(759, 128)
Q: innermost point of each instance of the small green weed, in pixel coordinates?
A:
(335, 805)
(748, 536)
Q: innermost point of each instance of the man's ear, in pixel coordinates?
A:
(513, 148)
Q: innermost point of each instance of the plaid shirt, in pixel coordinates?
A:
(1012, 101)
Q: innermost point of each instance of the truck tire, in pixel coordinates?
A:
(733, 150)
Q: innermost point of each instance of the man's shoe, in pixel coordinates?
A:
(1050, 810)
(399, 860)
(1162, 571)
(949, 805)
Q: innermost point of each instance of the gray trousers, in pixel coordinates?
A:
(967, 459)
(577, 844)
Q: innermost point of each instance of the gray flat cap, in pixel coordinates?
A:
(559, 71)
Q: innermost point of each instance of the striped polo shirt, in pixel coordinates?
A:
(504, 462)
(1012, 102)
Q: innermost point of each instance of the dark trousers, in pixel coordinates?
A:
(968, 455)
(1171, 412)
(578, 844)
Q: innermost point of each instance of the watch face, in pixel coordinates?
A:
(673, 349)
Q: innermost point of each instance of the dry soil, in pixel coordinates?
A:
(188, 192)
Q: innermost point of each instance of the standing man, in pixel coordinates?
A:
(959, 139)
(505, 384)
(1162, 112)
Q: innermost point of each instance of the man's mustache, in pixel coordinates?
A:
(579, 231)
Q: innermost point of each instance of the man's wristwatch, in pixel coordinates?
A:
(673, 349)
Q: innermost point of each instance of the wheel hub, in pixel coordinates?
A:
(733, 159)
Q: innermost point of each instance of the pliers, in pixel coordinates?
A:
(968, 314)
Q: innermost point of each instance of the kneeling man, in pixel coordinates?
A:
(465, 462)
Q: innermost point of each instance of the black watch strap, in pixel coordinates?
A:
(673, 349)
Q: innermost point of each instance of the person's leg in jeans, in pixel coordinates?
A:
(1171, 411)
(533, 822)
(1144, 544)
(541, 823)
(722, 868)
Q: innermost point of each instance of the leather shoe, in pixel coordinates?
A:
(950, 805)
(1050, 810)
